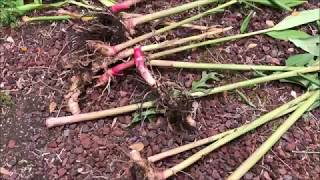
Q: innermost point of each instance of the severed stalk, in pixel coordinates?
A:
(212, 66)
(108, 50)
(274, 138)
(204, 141)
(151, 47)
(246, 83)
(51, 122)
(226, 139)
(287, 23)
(124, 5)
(132, 22)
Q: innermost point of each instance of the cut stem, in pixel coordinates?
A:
(201, 142)
(274, 138)
(131, 23)
(52, 122)
(209, 42)
(254, 81)
(212, 66)
(124, 5)
(113, 50)
(239, 131)
(175, 42)
(28, 19)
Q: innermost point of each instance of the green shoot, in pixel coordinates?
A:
(202, 85)
(245, 23)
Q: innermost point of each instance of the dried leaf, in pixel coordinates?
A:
(137, 146)
(52, 106)
(73, 104)
(252, 45)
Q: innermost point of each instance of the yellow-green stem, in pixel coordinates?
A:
(201, 142)
(237, 67)
(246, 83)
(239, 131)
(171, 11)
(267, 145)
(209, 42)
(132, 42)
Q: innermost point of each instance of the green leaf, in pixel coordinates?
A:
(286, 34)
(298, 18)
(299, 59)
(144, 115)
(282, 5)
(311, 45)
(245, 23)
(289, 3)
(202, 83)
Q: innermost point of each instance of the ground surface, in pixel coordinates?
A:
(35, 72)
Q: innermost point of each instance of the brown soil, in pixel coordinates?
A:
(36, 70)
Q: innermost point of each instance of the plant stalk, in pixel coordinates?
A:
(236, 67)
(53, 122)
(204, 141)
(274, 138)
(45, 18)
(115, 49)
(256, 81)
(128, 52)
(175, 10)
(209, 42)
(239, 131)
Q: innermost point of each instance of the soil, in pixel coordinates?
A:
(36, 68)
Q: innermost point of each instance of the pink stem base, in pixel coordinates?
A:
(139, 60)
(124, 5)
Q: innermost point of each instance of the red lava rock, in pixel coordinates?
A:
(123, 94)
(78, 150)
(62, 171)
(52, 144)
(85, 141)
(99, 141)
(124, 101)
(118, 132)
(106, 130)
(290, 147)
(282, 171)
(11, 144)
(266, 175)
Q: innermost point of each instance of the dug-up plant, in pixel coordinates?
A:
(130, 23)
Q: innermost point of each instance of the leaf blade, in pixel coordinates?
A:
(311, 45)
(286, 34)
(297, 19)
(245, 23)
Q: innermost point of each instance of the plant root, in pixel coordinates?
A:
(141, 168)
